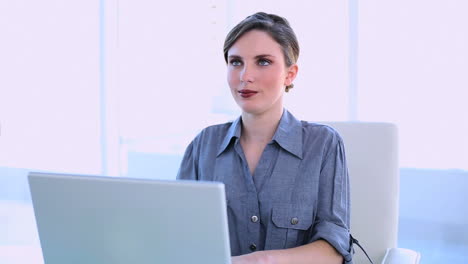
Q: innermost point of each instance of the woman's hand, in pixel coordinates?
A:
(260, 257)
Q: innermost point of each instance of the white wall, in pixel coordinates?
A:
(49, 85)
(413, 65)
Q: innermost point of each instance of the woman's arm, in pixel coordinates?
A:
(319, 252)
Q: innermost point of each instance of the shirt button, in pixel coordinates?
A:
(253, 247)
(294, 221)
(254, 218)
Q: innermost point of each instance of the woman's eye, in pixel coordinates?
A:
(235, 62)
(264, 62)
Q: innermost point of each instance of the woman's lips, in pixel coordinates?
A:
(245, 93)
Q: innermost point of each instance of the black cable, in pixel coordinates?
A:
(355, 241)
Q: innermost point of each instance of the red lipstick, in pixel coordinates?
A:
(246, 93)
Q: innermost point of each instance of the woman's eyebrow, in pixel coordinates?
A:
(234, 57)
(263, 56)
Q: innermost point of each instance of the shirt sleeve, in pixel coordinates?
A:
(189, 166)
(333, 206)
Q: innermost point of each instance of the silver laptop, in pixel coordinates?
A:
(92, 219)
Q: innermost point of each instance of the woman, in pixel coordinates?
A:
(286, 180)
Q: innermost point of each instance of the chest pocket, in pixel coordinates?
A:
(290, 225)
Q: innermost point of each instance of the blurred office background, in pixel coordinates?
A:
(120, 87)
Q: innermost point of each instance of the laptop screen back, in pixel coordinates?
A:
(89, 219)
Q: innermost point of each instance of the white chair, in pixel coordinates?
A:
(372, 157)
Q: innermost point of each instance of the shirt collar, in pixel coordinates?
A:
(288, 134)
(234, 131)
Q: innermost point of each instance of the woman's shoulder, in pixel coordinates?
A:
(319, 130)
(217, 130)
(323, 137)
(309, 129)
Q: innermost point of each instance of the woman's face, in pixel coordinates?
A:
(257, 73)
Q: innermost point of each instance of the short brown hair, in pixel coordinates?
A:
(277, 27)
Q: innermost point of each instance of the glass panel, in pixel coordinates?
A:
(413, 62)
(412, 71)
(169, 79)
(49, 89)
(433, 219)
(49, 107)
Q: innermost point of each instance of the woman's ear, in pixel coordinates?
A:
(291, 74)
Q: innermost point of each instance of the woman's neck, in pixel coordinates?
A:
(260, 128)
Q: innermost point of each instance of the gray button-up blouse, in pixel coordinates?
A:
(299, 192)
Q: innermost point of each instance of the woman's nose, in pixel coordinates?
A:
(247, 74)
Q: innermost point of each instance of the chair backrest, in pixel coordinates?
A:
(372, 158)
